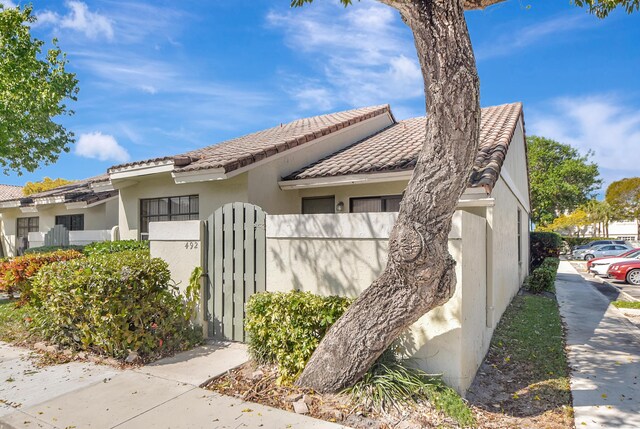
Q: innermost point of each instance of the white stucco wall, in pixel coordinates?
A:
(180, 244)
(342, 254)
(263, 181)
(211, 196)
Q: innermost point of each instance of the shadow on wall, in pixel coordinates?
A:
(332, 261)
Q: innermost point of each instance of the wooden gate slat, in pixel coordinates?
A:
(227, 288)
(210, 271)
(218, 272)
(238, 271)
(249, 255)
(261, 250)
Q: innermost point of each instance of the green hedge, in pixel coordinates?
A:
(113, 304)
(286, 328)
(544, 245)
(49, 249)
(108, 247)
(543, 278)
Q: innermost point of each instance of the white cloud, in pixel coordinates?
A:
(100, 146)
(8, 4)
(79, 18)
(364, 54)
(530, 35)
(603, 124)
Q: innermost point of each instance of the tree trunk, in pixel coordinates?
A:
(420, 272)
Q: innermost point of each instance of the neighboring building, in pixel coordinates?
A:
(88, 209)
(625, 230)
(622, 230)
(7, 192)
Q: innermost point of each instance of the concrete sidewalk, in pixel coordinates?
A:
(604, 355)
(163, 395)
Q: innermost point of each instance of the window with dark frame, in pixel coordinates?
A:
(24, 226)
(71, 222)
(167, 209)
(389, 203)
(319, 205)
(519, 236)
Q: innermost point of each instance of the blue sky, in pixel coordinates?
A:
(163, 77)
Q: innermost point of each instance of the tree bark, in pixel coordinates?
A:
(420, 272)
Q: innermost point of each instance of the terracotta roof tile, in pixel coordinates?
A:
(10, 192)
(396, 148)
(77, 191)
(242, 151)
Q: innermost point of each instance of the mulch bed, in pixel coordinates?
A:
(257, 383)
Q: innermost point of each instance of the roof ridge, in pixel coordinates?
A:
(247, 149)
(397, 148)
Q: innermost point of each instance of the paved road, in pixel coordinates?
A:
(631, 292)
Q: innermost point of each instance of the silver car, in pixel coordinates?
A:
(601, 250)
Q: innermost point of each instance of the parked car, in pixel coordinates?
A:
(601, 250)
(625, 271)
(597, 243)
(601, 265)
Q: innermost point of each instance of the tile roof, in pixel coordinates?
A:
(10, 192)
(242, 151)
(396, 148)
(78, 191)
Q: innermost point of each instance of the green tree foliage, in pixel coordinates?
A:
(46, 184)
(624, 198)
(33, 88)
(561, 179)
(602, 8)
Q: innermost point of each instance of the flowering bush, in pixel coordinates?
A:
(16, 273)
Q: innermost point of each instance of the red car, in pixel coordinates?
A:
(630, 254)
(626, 271)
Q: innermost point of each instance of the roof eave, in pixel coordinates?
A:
(142, 169)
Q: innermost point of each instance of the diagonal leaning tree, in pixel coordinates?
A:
(420, 271)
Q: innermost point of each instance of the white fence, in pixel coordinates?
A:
(78, 238)
(341, 254)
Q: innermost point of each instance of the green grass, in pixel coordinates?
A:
(529, 342)
(627, 304)
(390, 384)
(531, 332)
(13, 327)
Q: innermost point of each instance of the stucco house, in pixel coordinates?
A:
(331, 185)
(88, 209)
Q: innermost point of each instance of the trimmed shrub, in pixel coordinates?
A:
(108, 247)
(543, 278)
(16, 273)
(49, 249)
(113, 304)
(286, 328)
(544, 245)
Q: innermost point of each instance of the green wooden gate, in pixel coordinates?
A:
(236, 257)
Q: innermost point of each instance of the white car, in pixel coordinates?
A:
(601, 265)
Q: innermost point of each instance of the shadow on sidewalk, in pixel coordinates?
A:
(604, 355)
